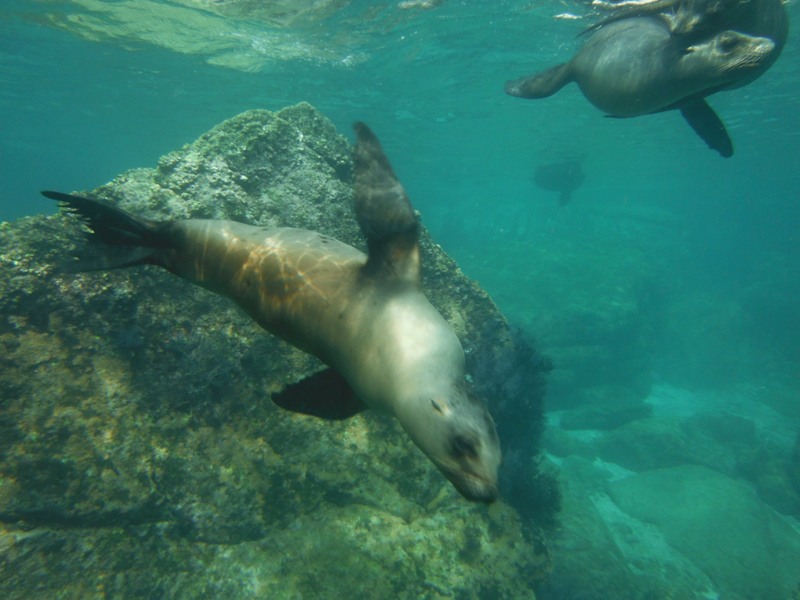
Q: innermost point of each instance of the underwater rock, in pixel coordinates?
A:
(775, 470)
(772, 476)
(356, 550)
(660, 442)
(604, 417)
(603, 553)
(139, 445)
(731, 444)
(720, 525)
(681, 532)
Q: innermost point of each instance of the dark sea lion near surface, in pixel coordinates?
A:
(365, 316)
(694, 20)
(635, 66)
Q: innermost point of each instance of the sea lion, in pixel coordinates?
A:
(563, 177)
(365, 316)
(635, 66)
(694, 20)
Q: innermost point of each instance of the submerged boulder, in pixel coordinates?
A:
(720, 525)
(140, 450)
(685, 532)
(602, 552)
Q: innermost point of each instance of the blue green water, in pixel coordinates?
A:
(699, 255)
(75, 113)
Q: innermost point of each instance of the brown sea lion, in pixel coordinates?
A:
(365, 316)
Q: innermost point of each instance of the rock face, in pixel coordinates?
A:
(694, 501)
(605, 553)
(723, 442)
(686, 532)
(720, 525)
(140, 455)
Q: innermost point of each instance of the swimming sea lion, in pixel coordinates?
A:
(563, 177)
(694, 20)
(363, 315)
(634, 67)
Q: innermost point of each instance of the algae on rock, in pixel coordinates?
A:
(140, 454)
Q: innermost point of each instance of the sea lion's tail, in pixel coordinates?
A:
(127, 239)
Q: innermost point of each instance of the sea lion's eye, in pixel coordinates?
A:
(463, 446)
(728, 43)
(437, 407)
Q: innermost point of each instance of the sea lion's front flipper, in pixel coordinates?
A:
(705, 122)
(324, 394)
(383, 211)
(542, 84)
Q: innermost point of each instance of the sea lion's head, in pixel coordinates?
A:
(456, 431)
(729, 56)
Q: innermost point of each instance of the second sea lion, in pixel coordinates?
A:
(635, 66)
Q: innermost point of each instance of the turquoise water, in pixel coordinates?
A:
(76, 113)
(671, 278)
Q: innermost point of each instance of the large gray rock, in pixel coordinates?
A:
(721, 441)
(685, 532)
(603, 553)
(719, 524)
(604, 417)
(140, 455)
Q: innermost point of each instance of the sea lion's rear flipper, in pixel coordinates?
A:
(705, 122)
(384, 212)
(124, 239)
(542, 84)
(324, 394)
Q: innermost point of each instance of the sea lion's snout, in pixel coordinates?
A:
(472, 456)
(476, 489)
(458, 434)
(733, 52)
(476, 475)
